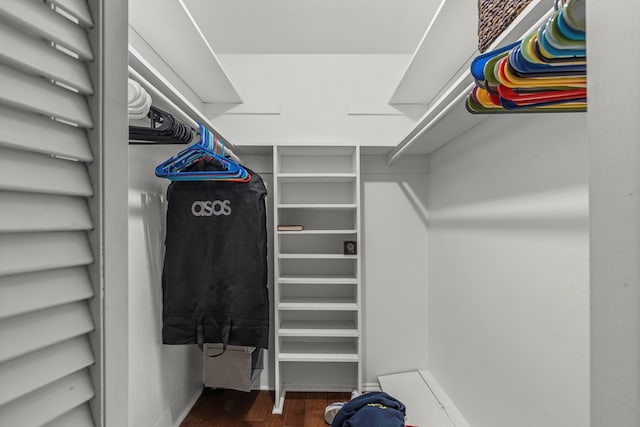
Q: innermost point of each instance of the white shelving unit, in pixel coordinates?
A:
(317, 287)
(450, 79)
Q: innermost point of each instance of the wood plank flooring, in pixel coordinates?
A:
(229, 408)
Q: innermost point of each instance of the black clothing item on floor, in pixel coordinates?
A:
(214, 279)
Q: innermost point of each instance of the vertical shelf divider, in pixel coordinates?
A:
(279, 390)
(359, 246)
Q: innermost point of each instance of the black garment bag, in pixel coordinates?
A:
(215, 270)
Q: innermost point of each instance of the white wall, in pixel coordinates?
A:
(305, 99)
(509, 271)
(163, 380)
(394, 236)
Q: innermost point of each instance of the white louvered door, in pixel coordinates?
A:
(46, 255)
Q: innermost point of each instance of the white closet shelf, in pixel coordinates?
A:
(318, 303)
(316, 256)
(447, 118)
(462, 15)
(350, 231)
(317, 328)
(317, 280)
(318, 352)
(184, 49)
(323, 150)
(327, 206)
(317, 177)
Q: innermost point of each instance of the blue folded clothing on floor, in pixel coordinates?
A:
(376, 409)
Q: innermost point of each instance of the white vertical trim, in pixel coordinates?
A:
(613, 129)
(109, 142)
(359, 246)
(279, 388)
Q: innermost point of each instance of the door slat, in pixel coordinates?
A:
(49, 402)
(37, 173)
(39, 19)
(30, 252)
(34, 331)
(37, 95)
(37, 57)
(25, 293)
(28, 373)
(79, 9)
(23, 212)
(35, 132)
(77, 417)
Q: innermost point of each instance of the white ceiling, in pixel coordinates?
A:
(313, 26)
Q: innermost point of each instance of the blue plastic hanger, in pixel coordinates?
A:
(174, 167)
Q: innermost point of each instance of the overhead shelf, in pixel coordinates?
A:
(446, 118)
(441, 52)
(183, 48)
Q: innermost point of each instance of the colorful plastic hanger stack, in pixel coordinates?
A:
(545, 71)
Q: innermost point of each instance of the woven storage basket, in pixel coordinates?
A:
(494, 16)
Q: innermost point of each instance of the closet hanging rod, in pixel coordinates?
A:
(178, 112)
(140, 65)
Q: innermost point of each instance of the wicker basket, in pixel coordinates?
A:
(494, 16)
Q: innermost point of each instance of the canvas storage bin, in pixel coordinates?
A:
(236, 369)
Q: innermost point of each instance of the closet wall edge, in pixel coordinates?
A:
(613, 135)
(109, 209)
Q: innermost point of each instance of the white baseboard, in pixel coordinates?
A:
(263, 387)
(366, 387)
(320, 387)
(370, 387)
(184, 413)
(452, 411)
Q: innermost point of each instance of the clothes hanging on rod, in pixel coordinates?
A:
(163, 129)
(545, 71)
(187, 114)
(138, 99)
(214, 279)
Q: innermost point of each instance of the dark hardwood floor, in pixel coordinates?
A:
(229, 408)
